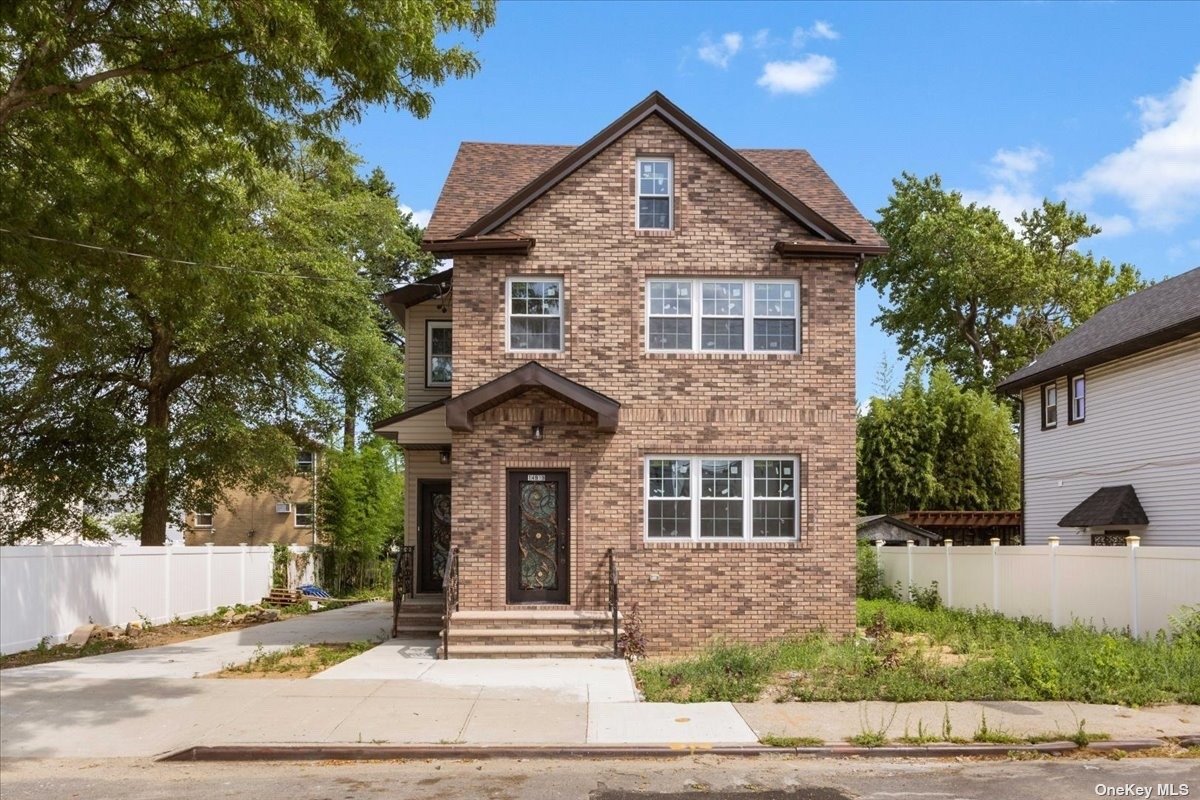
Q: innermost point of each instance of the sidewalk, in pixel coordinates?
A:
(146, 703)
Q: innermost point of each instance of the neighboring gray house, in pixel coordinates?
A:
(1110, 424)
(893, 531)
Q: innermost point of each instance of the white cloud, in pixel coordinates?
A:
(798, 77)
(1008, 201)
(819, 30)
(761, 39)
(1158, 175)
(1017, 166)
(1012, 191)
(1111, 225)
(420, 217)
(719, 52)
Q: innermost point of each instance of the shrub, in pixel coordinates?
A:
(869, 575)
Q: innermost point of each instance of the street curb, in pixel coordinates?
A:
(1191, 740)
(1126, 745)
(307, 752)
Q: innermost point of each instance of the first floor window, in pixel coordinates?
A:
(304, 515)
(1049, 406)
(203, 517)
(534, 308)
(723, 316)
(1077, 405)
(439, 366)
(722, 497)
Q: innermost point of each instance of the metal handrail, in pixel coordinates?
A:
(449, 598)
(614, 602)
(402, 583)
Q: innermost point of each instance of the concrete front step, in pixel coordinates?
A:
(541, 636)
(509, 619)
(525, 650)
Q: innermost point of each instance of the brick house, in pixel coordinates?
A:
(645, 347)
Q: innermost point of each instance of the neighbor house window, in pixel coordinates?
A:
(1049, 406)
(305, 460)
(722, 316)
(534, 314)
(304, 515)
(654, 181)
(203, 518)
(439, 364)
(710, 498)
(1076, 400)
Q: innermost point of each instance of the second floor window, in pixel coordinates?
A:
(654, 199)
(1077, 400)
(439, 364)
(723, 316)
(305, 460)
(1049, 406)
(534, 315)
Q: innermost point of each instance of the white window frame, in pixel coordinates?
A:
(637, 183)
(430, 326)
(748, 317)
(508, 315)
(748, 497)
(198, 515)
(311, 461)
(1046, 390)
(311, 514)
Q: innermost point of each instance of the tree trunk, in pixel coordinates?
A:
(350, 422)
(155, 497)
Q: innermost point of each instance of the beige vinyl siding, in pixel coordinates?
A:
(423, 429)
(1142, 428)
(415, 391)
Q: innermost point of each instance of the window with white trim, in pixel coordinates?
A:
(1049, 406)
(722, 316)
(1077, 400)
(713, 498)
(203, 517)
(305, 461)
(534, 314)
(304, 515)
(439, 359)
(654, 198)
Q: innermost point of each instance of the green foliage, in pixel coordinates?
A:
(773, 740)
(202, 134)
(361, 509)
(935, 445)
(943, 654)
(962, 288)
(869, 575)
(926, 598)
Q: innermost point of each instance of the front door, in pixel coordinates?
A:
(538, 537)
(433, 535)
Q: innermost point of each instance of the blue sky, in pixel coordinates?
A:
(1097, 103)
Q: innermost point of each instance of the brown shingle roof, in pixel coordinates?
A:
(485, 175)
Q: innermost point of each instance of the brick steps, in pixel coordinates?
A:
(531, 633)
(420, 617)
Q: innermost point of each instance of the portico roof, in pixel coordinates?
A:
(461, 410)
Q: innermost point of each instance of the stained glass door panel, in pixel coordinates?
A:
(538, 537)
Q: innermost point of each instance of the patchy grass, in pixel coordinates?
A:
(44, 653)
(301, 661)
(772, 740)
(904, 653)
(868, 739)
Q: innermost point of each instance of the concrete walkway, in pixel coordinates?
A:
(147, 702)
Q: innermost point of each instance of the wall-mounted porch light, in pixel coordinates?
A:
(537, 431)
(444, 455)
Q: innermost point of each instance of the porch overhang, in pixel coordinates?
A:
(462, 410)
(420, 428)
(1111, 506)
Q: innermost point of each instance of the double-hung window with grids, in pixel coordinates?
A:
(722, 316)
(714, 498)
(534, 314)
(654, 194)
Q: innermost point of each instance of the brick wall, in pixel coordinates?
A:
(792, 404)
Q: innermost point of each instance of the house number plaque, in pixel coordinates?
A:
(535, 477)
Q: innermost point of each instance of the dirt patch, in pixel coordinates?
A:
(301, 661)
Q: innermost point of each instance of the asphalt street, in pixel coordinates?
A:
(698, 778)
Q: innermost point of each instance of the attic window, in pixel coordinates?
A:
(654, 181)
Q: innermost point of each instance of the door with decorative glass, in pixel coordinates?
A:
(538, 537)
(433, 534)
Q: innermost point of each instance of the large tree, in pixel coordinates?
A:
(932, 444)
(171, 269)
(962, 288)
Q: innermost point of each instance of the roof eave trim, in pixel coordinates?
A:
(476, 246)
(1103, 356)
(849, 250)
(656, 103)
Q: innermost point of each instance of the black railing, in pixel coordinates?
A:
(614, 604)
(402, 584)
(449, 598)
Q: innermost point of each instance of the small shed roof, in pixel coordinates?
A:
(1111, 505)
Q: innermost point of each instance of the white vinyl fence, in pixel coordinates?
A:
(49, 590)
(1108, 587)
